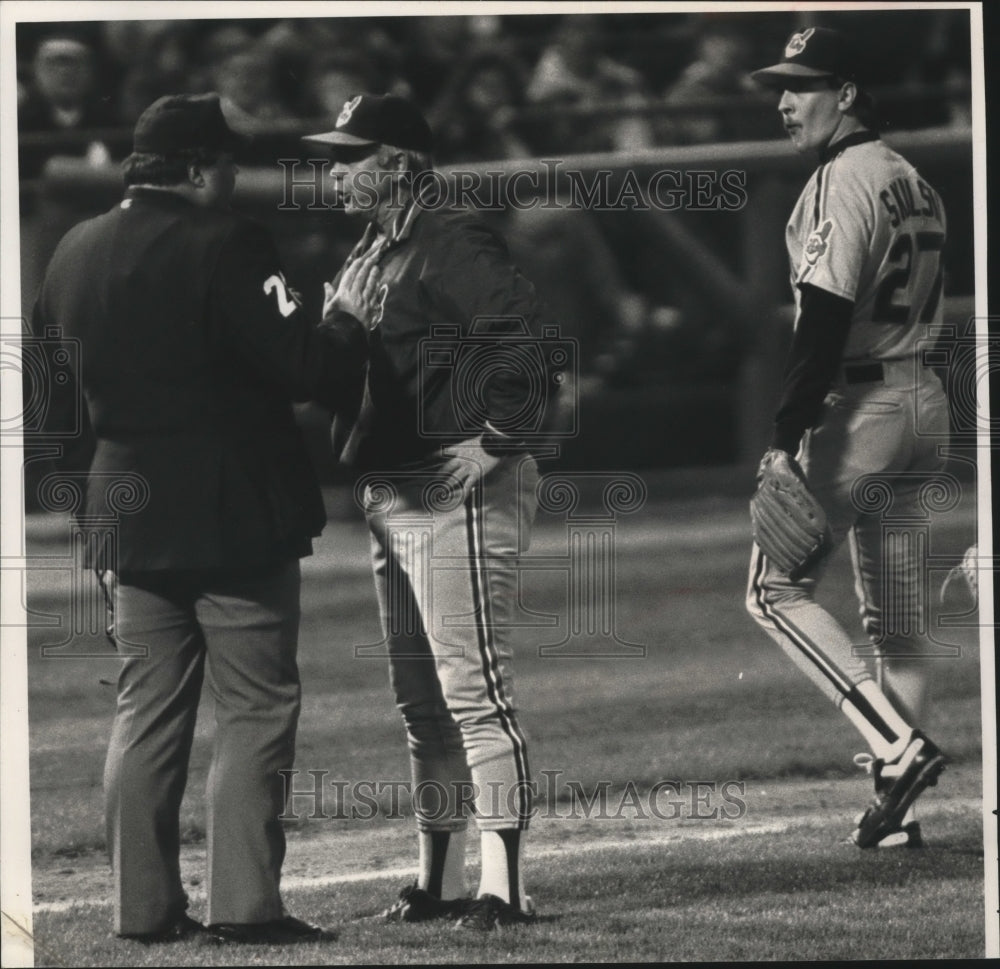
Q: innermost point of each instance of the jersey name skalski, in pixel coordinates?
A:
(868, 228)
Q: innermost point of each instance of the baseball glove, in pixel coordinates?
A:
(789, 525)
(961, 585)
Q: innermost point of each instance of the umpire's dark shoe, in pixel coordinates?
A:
(184, 928)
(417, 905)
(918, 768)
(488, 913)
(283, 931)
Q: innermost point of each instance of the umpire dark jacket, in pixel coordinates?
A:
(190, 349)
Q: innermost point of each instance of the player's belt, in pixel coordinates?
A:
(863, 373)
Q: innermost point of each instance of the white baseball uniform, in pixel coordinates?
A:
(868, 229)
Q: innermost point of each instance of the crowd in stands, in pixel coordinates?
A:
(494, 86)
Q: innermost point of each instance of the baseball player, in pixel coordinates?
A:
(464, 480)
(191, 350)
(865, 246)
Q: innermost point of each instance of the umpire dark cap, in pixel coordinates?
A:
(378, 119)
(180, 122)
(813, 52)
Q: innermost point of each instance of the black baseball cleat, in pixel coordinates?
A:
(916, 769)
(488, 913)
(283, 931)
(908, 836)
(184, 927)
(418, 905)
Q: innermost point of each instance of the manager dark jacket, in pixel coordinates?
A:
(190, 349)
(460, 338)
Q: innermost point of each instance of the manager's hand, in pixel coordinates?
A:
(357, 289)
(468, 464)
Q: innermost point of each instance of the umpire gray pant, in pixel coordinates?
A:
(247, 628)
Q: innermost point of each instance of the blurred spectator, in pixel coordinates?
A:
(718, 71)
(155, 58)
(61, 99)
(578, 274)
(475, 117)
(316, 60)
(218, 45)
(573, 71)
(948, 64)
(293, 44)
(246, 83)
(337, 76)
(433, 46)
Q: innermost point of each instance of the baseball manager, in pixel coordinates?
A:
(451, 398)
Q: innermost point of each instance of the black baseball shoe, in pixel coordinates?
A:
(907, 835)
(283, 931)
(488, 913)
(418, 905)
(184, 927)
(916, 769)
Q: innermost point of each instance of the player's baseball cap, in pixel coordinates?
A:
(378, 119)
(179, 122)
(813, 52)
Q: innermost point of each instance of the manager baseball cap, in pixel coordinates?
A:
(813, 52)
(378, 119)
(180, 122)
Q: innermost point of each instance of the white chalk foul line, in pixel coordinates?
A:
(720, 831)
(295, 883)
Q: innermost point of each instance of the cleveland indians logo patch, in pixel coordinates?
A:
(818, 242)
(347, 110)
(797, 42)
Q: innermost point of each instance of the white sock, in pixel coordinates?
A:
(870, 695)
(501, 866)
(442, 863)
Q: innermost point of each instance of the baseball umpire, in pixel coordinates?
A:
(192, 349)
(865, 245)
(439, 423)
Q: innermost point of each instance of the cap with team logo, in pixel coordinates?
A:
(378, 119)
(813, 52)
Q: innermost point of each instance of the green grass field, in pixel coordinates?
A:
(712, 701)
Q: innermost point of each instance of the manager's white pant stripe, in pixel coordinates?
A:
(488, 653)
